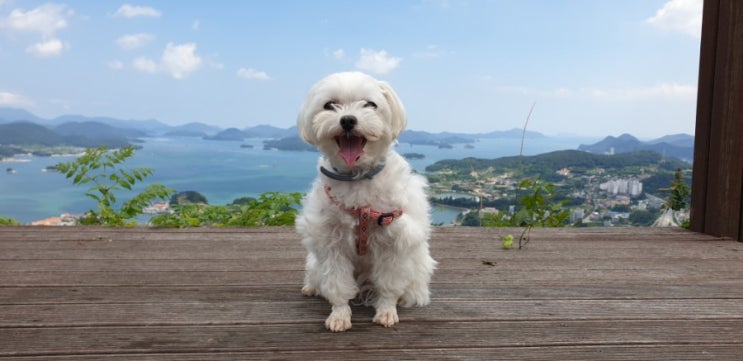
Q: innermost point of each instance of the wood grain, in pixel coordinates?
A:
(83, 293)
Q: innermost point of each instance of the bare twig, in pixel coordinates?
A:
(523, 135)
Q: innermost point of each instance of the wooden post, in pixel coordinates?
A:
(717, 184)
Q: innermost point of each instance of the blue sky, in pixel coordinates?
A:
(593, 67)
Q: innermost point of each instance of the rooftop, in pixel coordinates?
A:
(83, 293)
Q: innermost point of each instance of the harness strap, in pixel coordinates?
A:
(364, 215)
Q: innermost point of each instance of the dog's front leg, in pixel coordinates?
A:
(339, 319)
(386, 314)
(338, 286)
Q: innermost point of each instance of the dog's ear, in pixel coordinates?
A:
(397, 113)
(304, 124)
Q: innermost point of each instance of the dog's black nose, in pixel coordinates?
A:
(348, 122)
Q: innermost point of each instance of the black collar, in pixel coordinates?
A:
(348, 177)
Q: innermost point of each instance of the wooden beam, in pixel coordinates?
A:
(717, 185)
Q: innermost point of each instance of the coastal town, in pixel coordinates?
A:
(623, 195)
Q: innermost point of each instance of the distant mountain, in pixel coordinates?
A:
(193, 130)
(231, 134)
(678, 145)
(150, 126)
(94, 130)
(448, 138)
(22, 134)
(514, 133)
(10, 115)
(25, 133)
(269, 131)
(681, 140)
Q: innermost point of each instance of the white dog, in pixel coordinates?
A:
(365, 223)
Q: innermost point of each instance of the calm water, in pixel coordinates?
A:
(222, 171)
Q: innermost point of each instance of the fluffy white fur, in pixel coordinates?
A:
(398, 267)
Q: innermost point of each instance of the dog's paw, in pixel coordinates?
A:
(339, 320)
(386, 318)
(309, 291)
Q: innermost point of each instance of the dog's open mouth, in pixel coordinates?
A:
(351, 147)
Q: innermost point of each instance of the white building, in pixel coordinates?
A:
(631, 187)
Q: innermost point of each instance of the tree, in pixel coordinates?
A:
(678, 193)
(187, 197)
(471, 219)
(642, 218)
(103, 168)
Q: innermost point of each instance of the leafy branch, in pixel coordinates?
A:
(538, 209)
(102, 168)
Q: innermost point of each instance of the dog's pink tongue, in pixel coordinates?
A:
(352, 148)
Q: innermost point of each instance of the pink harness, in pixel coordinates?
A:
(365, 215)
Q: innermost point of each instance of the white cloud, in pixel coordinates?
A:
(132, 41)
(46, 19)
(377, 61)
(679, 15)
(180, 60)
(44, 49)
(116, 64)
(14, 100)
(196, 24)
(145, 65)
(131, 11)
(339, 54)
(177, 60)
(247, 73)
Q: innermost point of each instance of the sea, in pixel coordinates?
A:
(222, 171)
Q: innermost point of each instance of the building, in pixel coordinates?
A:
(631, 187)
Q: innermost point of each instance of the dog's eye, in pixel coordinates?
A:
(372, 105)
(329, 105)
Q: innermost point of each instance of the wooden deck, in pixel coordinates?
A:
(224, 294)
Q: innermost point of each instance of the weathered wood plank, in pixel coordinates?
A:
(277, 293)
(676, 352)
(86, 293)
(295, 309)
(364, 336)
(477, 276)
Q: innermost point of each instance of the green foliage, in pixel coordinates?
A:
(5, 221)
(103, 169)
(642, 218)
(270, 209)
(471, 219)
(538, 209)
(187, 197)
(678, 194)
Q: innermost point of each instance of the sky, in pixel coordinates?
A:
(589, 67)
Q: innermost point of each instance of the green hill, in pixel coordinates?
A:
(23, 133)
(546, 164)
(20, 136)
